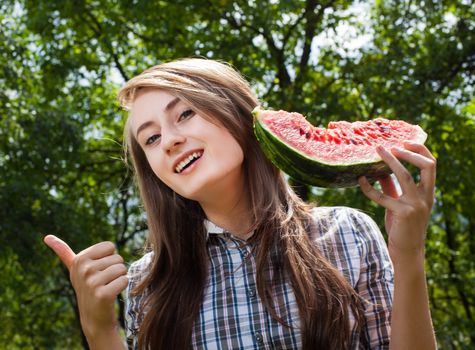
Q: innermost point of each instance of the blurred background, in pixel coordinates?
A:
(61, 161)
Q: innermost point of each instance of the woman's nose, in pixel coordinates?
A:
(171, 139)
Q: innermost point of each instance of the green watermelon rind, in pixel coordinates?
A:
(312, 171)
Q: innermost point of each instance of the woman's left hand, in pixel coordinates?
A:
(407, 214)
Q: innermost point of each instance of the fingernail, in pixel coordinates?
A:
(51, 240)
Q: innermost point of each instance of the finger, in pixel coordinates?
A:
(113, 289)
(108, 275)
(403, 176)
(61, 249)
(89, 267)
(419, 148)
(98, 251)
(388, 186)
(118, 285)
(104, 263)
(429, 170)
(416, 159)
(377, 196)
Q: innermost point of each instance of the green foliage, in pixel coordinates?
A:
(61, 168)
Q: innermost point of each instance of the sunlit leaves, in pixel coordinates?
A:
(62, 62)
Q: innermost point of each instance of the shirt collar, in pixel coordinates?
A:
(213, 229)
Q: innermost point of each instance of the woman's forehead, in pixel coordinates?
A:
(152, 100)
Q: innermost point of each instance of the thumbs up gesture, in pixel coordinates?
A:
(98, 275)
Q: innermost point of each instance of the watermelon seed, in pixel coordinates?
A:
(308, 134)
(370, 134)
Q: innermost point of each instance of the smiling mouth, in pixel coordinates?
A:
(185, 163)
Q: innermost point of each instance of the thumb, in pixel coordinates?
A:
(61, 249)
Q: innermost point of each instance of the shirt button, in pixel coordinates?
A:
(245, 253)
(252, 292)
(259, 337)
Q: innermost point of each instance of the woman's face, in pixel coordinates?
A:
(196, 158)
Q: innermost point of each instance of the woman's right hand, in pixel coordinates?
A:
(98, 275)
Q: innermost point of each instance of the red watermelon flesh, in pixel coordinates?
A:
(342, 143)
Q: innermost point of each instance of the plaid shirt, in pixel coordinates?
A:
(232, 315)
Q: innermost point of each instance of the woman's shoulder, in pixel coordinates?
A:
(134, 302)
(343, 222)
(139, 268)
(346, 230)
(336, 211)
(347, 237)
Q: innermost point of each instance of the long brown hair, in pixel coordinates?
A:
(282, 223)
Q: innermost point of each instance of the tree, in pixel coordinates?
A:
(61, 163)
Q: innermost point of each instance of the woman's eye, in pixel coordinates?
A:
(152, 139)
(186, 114)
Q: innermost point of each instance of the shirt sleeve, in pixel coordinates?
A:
(134, 303)
(375, 284)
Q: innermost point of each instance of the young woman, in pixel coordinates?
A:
(237, 260)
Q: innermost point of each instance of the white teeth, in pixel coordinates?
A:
(185, 161)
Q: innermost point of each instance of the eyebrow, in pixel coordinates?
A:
(145, 125)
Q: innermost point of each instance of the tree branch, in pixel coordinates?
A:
(312, 19)
(453, 270)
(276, 53)
(453, 73)
(291, 28)
(143, 227)
(96, 27)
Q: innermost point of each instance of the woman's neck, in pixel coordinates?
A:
(231, 212)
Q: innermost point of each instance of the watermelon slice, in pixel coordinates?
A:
(332, 157)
